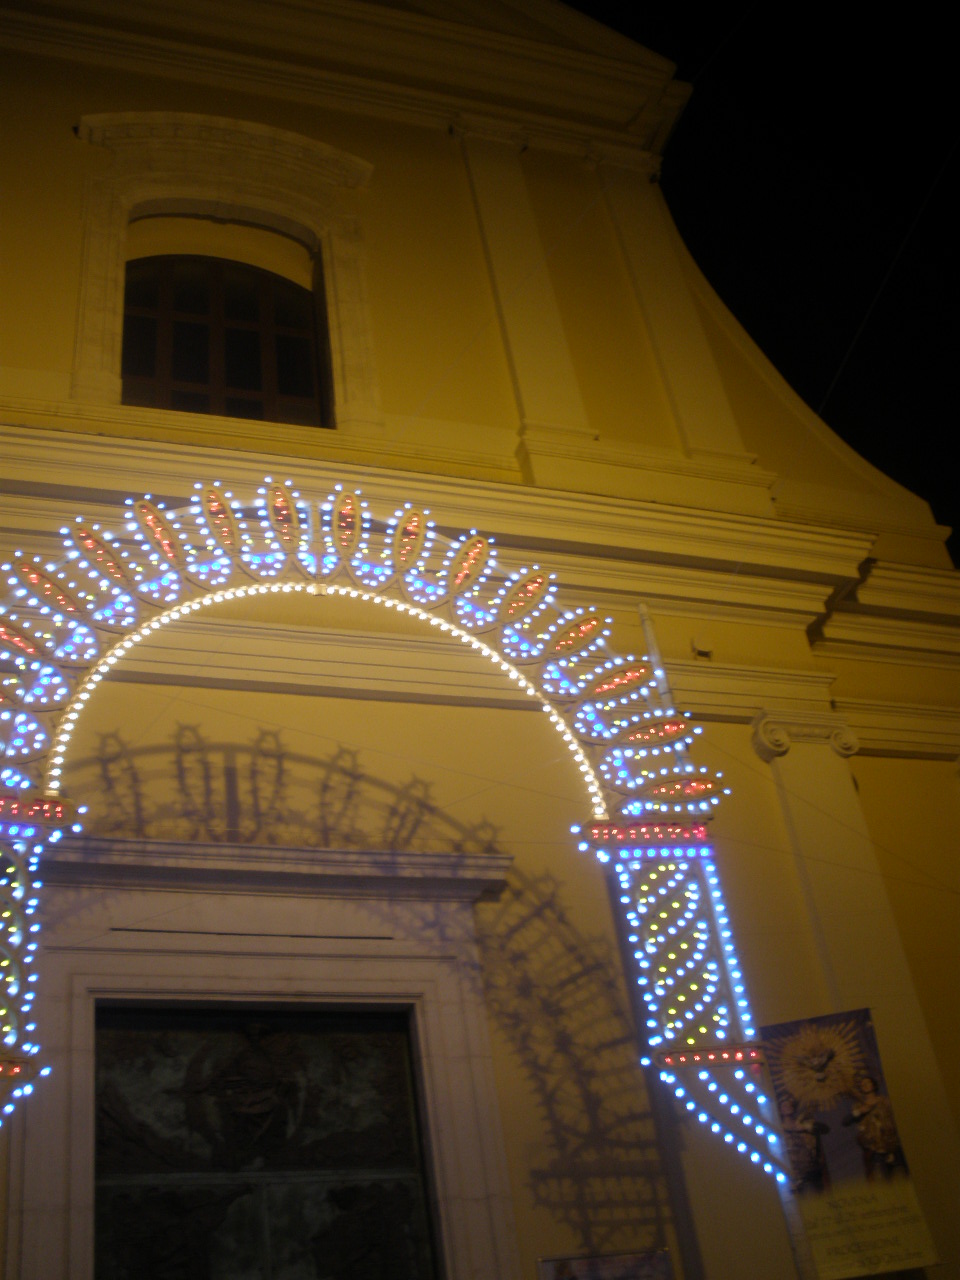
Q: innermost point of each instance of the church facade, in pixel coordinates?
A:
(462, 672)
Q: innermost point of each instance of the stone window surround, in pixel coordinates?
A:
(95, 950)
(170, 163)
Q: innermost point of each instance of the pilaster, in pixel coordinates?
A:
(545, 383)
(649, 243)
(862, 958)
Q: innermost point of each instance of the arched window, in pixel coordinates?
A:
(205, 335)
(249, 181)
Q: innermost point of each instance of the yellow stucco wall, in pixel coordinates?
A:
(563, 1107)
(434, 303)
(745, 556)
(913, 808)
(616, 368)
(442, 356)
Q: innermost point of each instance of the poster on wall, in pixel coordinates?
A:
(624, 1266)
(848, 1171)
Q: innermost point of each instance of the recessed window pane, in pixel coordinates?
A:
(209, 336)
(241, 295)
(139, 347)
(235, 407)
(191, 352)
(305, 412)
(294, 365)
(242, 359)
(292, 306)
(191, 286)
(139, 392)
(142, 286)
(190, 401)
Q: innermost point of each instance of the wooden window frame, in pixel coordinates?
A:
(163, 389)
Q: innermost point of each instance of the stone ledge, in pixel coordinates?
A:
(89, 861)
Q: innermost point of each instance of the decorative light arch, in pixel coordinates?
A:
(65, 625)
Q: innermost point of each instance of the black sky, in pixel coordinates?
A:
(812, 176)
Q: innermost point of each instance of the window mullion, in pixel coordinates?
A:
(164, 367)
(268, 354)
(218, 331)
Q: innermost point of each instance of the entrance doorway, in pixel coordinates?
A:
(237, 1141)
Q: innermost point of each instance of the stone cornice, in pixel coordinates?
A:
(800, 706)
(351, 444)
(898, 613)
(724, 691)
(669, 590)
(890, 638)
(381, 62)
(899, 513)
(528, 520)
(399, 441)
(906, 591)
(682, 562)
(239, 868)
(894, 729)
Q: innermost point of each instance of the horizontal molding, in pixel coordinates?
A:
(722, 691)
(894, 729)
(137, 864)
(383, 62)
(889, 639)
(585, 576)
(802, 703)
(352, 443)
(550, 442)
(351, 664)
(614, 553)
(907, 590)
(900, 513)
(684, 591)
(520, 517)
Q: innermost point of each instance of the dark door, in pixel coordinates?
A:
(235, 1143)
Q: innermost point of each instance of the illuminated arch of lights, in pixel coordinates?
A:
(65, 624)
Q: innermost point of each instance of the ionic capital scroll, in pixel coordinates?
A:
(774, 733)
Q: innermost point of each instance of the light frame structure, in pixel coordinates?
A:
(66, 624)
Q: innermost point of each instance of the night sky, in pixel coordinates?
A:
(810, 177)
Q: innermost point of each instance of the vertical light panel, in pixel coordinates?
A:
(698, 1028)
